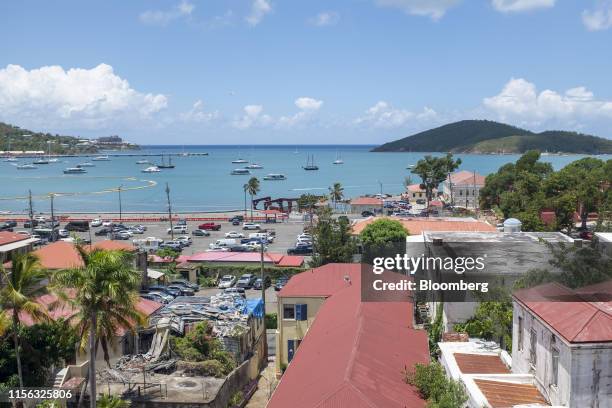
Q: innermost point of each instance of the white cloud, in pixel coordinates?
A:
(259, 9)
(325, 18)
(520, 101)
(90, 98)
(384, 115)
(253, 116)
(306, 103)
(430, 8)
(509, 6)
(600, 18)
(197, 113)
(158, 17)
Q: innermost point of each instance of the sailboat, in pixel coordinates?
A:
(163, 164)
(310, 165)
(49, 159)
(338, 159)
(10, 158)
(239, 160)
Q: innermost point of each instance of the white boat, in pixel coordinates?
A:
(41, 160)
(152, 169)
(338, 159)
(10, 159)
(53, 160)
(74, 170)
(26, 167)
(101, 158)
(239, 161)
(86, 164)
(240, 172)
(273, 176)
(143, 162)
(410, 166)
(254, 166)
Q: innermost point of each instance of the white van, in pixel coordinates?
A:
(178, 229)
(225, 242)
(262, 235)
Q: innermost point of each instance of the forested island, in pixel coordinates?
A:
(489, 137)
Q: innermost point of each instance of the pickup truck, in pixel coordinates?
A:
(208, 226)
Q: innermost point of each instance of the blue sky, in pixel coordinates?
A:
(280, 71)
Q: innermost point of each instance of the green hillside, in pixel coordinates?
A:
(24, 140)
(481, 136)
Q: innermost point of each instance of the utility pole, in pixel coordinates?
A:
(52, 196)
(263, 298)
(169, 211)
(382, 202)
(120, 209)
(31, 212)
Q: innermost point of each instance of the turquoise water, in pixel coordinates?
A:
(204, 183)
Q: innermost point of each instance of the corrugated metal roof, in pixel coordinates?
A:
(291, 261)
(416, 226)
(220, 256)
(320, 282)
(579, 316)
(354, 353)
(480, 364)
(7, 237)
(502, 394)
(467, 178)
(366, 201)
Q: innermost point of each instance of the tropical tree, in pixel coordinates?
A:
(252, 187)
(104, 293)
(336, 193)
(333, 241)
(112, 401)
(22, 285)
(433, 171)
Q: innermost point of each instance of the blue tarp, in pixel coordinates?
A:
(254, 307)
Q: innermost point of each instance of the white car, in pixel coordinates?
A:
(250, 226)
(178, 229)
(227, 281)
(96, 222)
(40, 218)
(63, 233)
(217, 248)
(255, 246)
(107, 223)
(234, 234)
(184, 238)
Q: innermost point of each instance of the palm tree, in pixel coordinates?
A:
(104, 293)
(245, 188)
(252, 187)
(336, 193)
(23, 285)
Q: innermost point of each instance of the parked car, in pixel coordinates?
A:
(186, 239)
(80, 226)
(96, 222)
(122, 235)
(103, 231)
(280, 283)
(300, 250)
(11, 223)
(226, 281)
(185, 282)
(209, 226)
(155, 297)
(185, 291)
(6, 227)
(166, 298)
(239, 248)
(257, 284)
(246, 281)
(238, 218)
(63, 233)
(250, 226)
(255, 246)
(367, 214)
(178, 229)
(182, 221)
(200, 233)
(40, 218)
(136, 230)
(165, 289)
(421, 201)
(30, 224)
(235, 222)
(234, 234)
(238, 291)
(217, 248)
(175, 246)
(107, 223)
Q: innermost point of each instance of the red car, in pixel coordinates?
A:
(209, 226)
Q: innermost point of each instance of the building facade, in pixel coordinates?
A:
(463, 188)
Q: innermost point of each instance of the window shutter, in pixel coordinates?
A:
(301, 312)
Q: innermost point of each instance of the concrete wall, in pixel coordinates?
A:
(584, 372)
(291, 329)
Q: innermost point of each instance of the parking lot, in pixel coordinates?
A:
(286, 234)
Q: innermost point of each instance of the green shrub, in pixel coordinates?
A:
(206, 368)
(435, 387)
(207, 281)
(236, 399)
(271, 321)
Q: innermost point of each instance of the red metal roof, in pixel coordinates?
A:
(220, 256)
(354, 353)
(480, 364)
(416, 226)
(291, 261)
(366, 201)
(501, 394)
(467, 178)
(110, 245)
(7, 237)
(320, 282)
(579, 316)
(59, 255)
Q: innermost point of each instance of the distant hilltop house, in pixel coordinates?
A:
(111, 141)
(462, 188)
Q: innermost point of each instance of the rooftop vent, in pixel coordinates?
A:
(512, 225)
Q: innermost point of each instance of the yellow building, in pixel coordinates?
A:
(299, 302)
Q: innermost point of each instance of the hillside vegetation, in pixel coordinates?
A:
(24, 140)
(483, 136)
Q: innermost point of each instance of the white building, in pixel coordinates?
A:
(566, 345)
(463, 188)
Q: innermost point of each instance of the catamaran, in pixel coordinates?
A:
(240, 172)
(310, 165)
(101, 158)
(254, 166)
(338, 159)
(273, 176)
(26, 167)
(86, 164)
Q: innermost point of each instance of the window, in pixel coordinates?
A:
(554, 353)
(532, 347)
(460, 192)
(301, 312)
(289, 312)
(520, 333)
